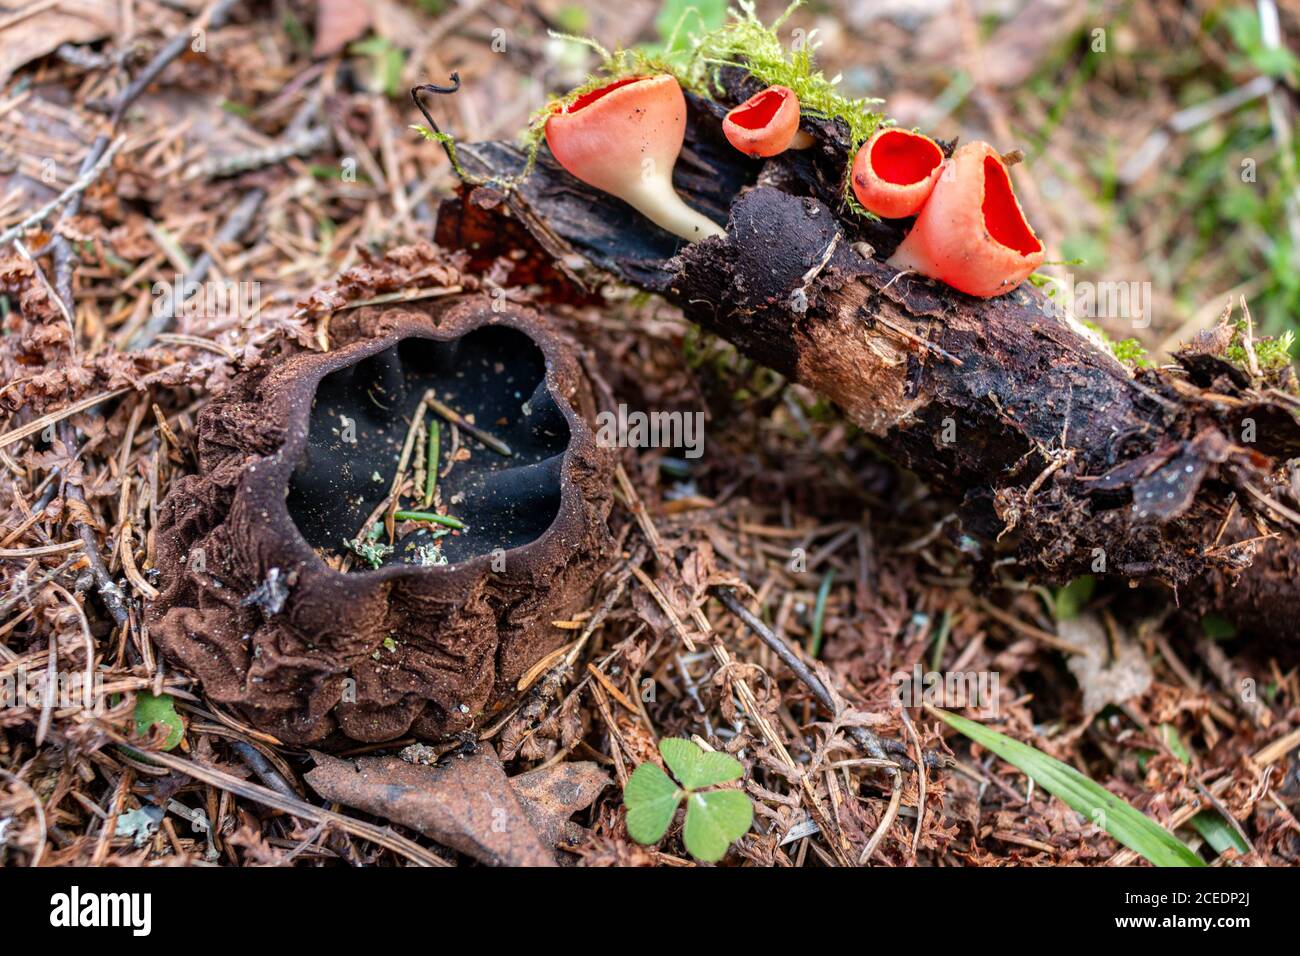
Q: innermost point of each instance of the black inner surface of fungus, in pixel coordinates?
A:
(493, 376)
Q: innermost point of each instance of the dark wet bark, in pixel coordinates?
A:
(1051, 445)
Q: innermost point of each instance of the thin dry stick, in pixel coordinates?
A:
(83, 182)
(868, 739)
(48, 691)
(109, 592)
(778, 646)
(40, 424)
(109, 828)
(920, 777)
(1037, 633)
(276, 801)
(457, 419)
(213, 17)
(87, 692)
(234, 227)
(41, 550)
(885, 822)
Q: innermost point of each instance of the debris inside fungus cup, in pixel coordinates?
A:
(354, 495)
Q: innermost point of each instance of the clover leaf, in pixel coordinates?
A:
(151, 710)
(714, 818)
(651, 799)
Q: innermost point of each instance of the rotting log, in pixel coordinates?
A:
(1059, 454)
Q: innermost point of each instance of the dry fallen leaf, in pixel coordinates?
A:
(466, 802)
(338, 23)
(1102, 678)
(28, 37)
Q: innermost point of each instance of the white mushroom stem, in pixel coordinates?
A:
(655, 198)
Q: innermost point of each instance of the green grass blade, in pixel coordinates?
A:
(1218, 832)
(1130, 827)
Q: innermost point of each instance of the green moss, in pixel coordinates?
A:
(746, 42)
(1128, 351)
(743, 41)
(1273, 354)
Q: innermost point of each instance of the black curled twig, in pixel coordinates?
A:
(445, 139)
(448, 142)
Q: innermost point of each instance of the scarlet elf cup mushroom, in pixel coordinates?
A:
(895, 171)
(766, 124)
(971, 232)
(624, 139)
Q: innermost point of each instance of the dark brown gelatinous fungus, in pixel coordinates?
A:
(294, 458)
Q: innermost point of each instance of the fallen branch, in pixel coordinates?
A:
(1058, 453)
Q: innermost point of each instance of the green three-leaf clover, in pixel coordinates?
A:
(714, 818)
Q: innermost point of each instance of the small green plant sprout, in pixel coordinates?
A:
(1271, 354)
(1129, 351)
(714, 818)
(1068, 602)
(151, 711)
(370, 549)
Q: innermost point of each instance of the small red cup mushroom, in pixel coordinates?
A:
(895, 172)
(623, 139)
(765, 124)
(972, 233)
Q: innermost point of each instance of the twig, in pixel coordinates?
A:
(36, 804)
(109, 592)
(1037, 633)
(779, 647)
(291, 805)
(302, 144)
(872, 742)
(40, 424)
(263, 768)
(455, 417)
(234, 227)
(895, 798)
(83, 181)
(211, 19)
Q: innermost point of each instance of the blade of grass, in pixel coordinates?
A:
(819, 614)
(432, 517)
(431, 470)
(1129, 826)
(1218, 833)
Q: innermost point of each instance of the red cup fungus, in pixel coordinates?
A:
(765, 124)
(895, 171)
(624, 139)
(972, 233)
